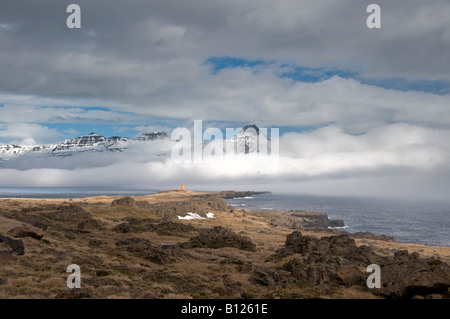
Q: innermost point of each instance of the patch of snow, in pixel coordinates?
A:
(191, 216)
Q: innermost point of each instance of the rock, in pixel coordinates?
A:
(234, 194)
(89, 224)
(317, 275)
(159, 255)
(219, 237)
(269, 277)
(337, 223)
(2, 281)
(296, 242)
(405, 276)
(71, 212)
(15, 244)
(123, 228)
(350, 276)
(36, 221)
(401, 256)
(199, 204)
(340, 244)
(26, 231)
(127, 201)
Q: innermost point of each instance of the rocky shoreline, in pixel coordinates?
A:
(138, 247)
(237, 194)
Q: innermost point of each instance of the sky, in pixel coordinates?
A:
(360, 111)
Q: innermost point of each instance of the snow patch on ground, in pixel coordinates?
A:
(191, 216)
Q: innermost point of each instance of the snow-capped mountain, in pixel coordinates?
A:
(91, 142)
(250, 139)
(94, 150)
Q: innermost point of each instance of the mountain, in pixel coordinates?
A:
(250, 139)
(91, 142)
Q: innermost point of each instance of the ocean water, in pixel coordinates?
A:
(426, 223)
(69, 192)
(420, 222)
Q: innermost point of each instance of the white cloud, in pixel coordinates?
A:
(27, 134)
(327, 156)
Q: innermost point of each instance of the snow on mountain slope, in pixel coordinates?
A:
(250, 140)
(92, 142)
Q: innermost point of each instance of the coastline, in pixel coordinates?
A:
(117, 240)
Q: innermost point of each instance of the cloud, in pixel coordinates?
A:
(327, 156)
(27, 134)
(132, 63)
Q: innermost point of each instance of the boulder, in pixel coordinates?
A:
(65, 213)
(406, 276)
(127, 201)
(26, 231)
(89, 224)
(350, 276)
(219, 237)
(16, 245)
(337, 223)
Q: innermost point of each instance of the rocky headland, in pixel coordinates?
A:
(141, 247)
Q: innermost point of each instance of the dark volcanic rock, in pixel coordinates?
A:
(66, 213)
(15, 244)
(127, 201)
(219, 237)
(234, 194)
(199, 204)
(269, 277)
(26, 231)
(89, 224)
(336, 223)
(406, 275)
(74, 214)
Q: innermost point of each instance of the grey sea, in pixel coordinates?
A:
(412, 221)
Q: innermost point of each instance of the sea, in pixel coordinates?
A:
(409, 221)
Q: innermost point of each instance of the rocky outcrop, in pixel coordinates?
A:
(74, 214)
(200, 204)
(219, 237)
(127, 201)
(407, 275)
(301, 220)
(142, 247)
(26, 231)
(234, 194)
(16, 245)
(336, 260)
